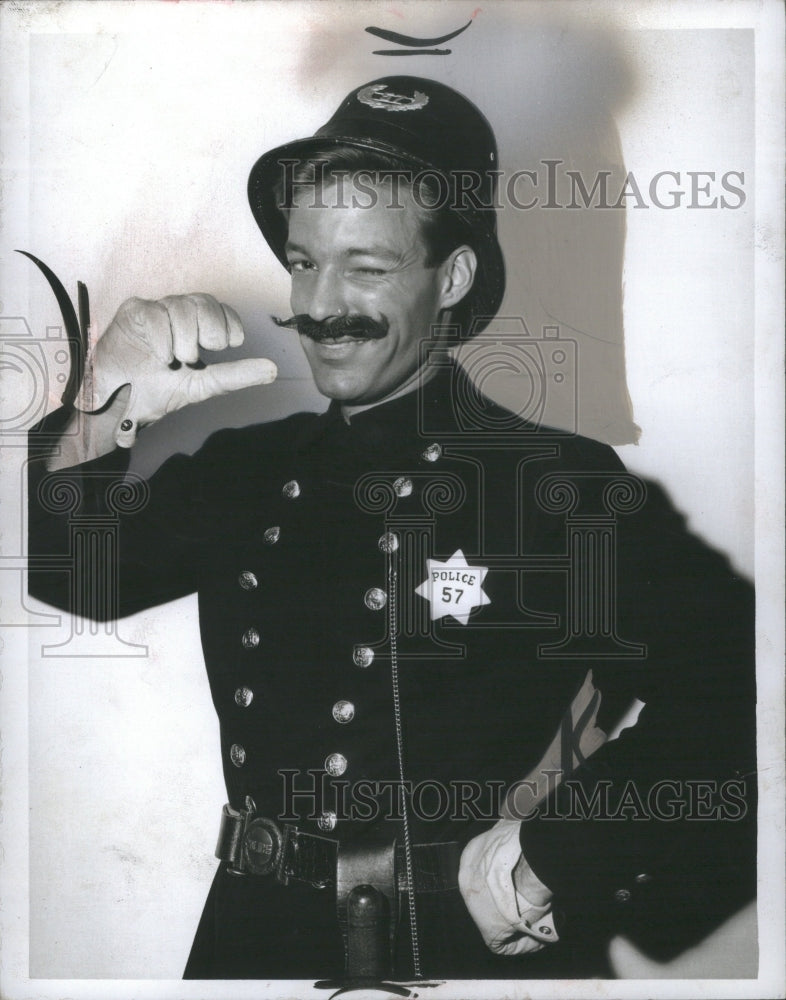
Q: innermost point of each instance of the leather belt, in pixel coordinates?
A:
(256, 845)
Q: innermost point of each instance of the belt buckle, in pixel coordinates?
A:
(263, 845)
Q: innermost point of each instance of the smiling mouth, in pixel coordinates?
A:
(344, 340)
(340, 350)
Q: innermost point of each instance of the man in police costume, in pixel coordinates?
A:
(423, 618)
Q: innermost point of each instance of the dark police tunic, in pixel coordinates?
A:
(309, 541)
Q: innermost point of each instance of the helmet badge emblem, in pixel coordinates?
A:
(377, 96)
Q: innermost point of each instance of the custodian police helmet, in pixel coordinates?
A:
(428, 127)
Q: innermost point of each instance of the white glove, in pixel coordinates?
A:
(511, 922)
(141, 343)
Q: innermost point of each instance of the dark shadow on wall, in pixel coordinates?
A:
(552, 94)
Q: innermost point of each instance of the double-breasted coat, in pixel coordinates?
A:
(422, 592)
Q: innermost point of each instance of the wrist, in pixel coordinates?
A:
(88, 436)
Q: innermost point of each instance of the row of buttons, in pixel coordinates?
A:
(343, 711)
(250, 638)
(363, 656)
(375, 599)
(335, 765)
(249, 581)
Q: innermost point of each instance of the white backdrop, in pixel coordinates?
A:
(129, 133)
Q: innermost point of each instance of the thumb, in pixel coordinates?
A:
(150, 399)
(218, 379)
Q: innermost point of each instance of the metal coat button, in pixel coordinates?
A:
(327, 821)
(237, 755)
(343, 712)
(248, 580)
(622, 895)
(272, 535)
(402, 487)
(291, 490)
(244, 696)
(335, 764)
(250, 638)
(375, 599)
(363, 656)
(388, 542)
(642, 879)
(433, 453)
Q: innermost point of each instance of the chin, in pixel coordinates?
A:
(344, 389)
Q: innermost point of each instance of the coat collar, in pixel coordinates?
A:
(400, 427)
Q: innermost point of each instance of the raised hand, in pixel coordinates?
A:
(153, 348)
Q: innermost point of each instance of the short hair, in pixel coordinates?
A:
(442, 229)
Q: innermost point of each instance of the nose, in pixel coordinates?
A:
(325, 297)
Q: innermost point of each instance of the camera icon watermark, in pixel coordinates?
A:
(32, 369)
(535, 375)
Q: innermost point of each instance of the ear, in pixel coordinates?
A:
(458, 275)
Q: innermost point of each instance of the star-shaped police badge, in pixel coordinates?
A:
(453, 588)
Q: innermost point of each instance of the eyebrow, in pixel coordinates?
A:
(373, 251)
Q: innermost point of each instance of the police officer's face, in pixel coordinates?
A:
(356, 261)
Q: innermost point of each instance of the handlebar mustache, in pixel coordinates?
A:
(360, 327)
